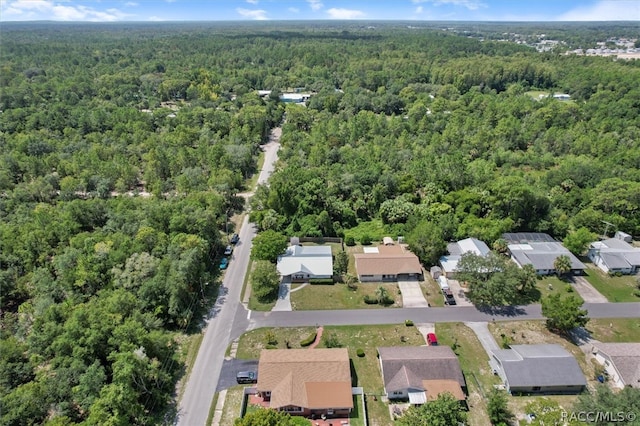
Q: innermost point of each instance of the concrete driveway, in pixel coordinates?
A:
(458, 293)
(588, 293)
(425, 328)
(484, 336)
(412, 296)
(284, 296)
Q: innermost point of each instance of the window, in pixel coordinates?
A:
(535, 388)
(292, 409)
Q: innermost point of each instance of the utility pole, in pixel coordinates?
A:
(606, 229)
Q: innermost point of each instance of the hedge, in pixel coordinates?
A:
(408, 323)
(321, 281)
(309, 340)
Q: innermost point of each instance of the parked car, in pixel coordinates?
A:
(228, 250)
(448, 297)
(246, 377)
(234, 239)
(224, 263)
(432, 340)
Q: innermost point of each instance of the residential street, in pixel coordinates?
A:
(200, 387)
(229, 318)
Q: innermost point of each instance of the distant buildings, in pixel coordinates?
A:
(449, 263)
(541, 251)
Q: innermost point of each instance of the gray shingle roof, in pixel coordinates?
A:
(527, 237)
(540, 365)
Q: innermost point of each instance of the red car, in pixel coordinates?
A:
(432, 340)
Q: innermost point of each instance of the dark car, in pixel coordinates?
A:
(448, 297)
(246, 377)
(228, 250)
(234, 239)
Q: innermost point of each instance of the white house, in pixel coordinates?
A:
(301, 263)
(449, 263)
(621, 362)
(541, 251)
(615, 255)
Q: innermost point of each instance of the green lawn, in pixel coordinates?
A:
(615, 289)
(232, 405)
(551, 285)
(339, 296)
(615, 330)
(474, 362)
(366, 369)
(432, 291)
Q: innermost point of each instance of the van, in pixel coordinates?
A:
(244, 377)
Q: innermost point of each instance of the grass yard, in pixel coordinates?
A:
(615, 289)
(366, 370)
(432, 292)
(615, 330)
(374, 229)
(339, 296)
(474, 362)
(232, 405)
(551, 285)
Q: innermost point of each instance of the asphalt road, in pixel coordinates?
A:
(200, 387)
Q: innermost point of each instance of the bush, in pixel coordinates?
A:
(331, 341)
(321, 281)
(370, 300)
(569, 288)
(636, 293)
(408, 323)
(365, 240)
(360, 353)
(272, 347)
(309, 340)
(350, 241)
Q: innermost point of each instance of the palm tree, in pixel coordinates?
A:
(382, 294)
(562, 264)
(529, 277)
(501, 246)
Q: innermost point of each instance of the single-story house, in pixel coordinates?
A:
(387, 263)
(301, 263)
(541, 368)
(615, 255)
(621, 361)
(421, 373)
(449, 263)
(306, 382)
(541, 251)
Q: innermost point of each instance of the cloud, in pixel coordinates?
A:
(131, 4)
(293, 10)
(469, 4)
(315, 5)
(252, 1)
(337, 13)
(621, 10)
(256, 14)
(56, 11)
(419, 9)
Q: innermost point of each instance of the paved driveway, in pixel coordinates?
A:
(412, 296)
(484, 336)
(230, 367)
(588, 293)
(458, 293)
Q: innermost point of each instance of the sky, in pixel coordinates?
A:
(247, 10)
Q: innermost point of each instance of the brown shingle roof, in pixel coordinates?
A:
(433, 388)
(310, 378)
(406, 367)
(626, 359)
(390, 260)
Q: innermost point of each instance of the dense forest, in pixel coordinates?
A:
(123, 148)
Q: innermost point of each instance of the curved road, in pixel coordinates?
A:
(229, 319)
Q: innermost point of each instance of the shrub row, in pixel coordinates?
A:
(309, 340)
(321, 281)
